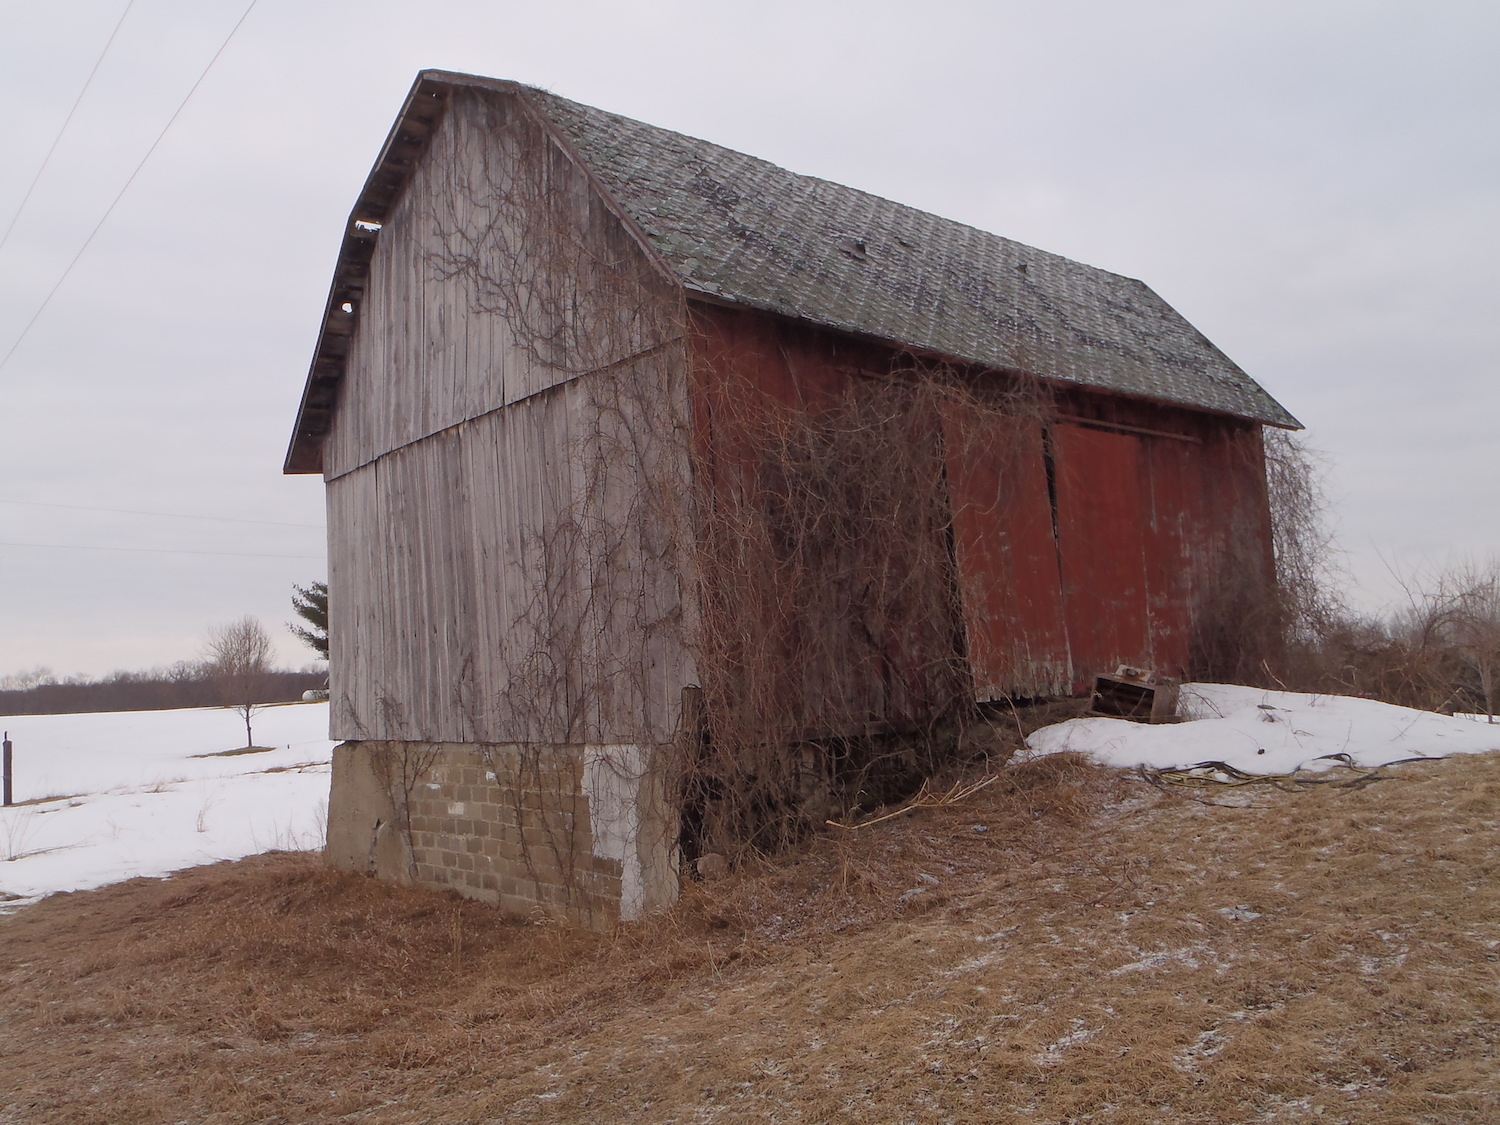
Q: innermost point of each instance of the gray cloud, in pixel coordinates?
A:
(1313, 185)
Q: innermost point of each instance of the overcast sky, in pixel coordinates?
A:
(1315, 185)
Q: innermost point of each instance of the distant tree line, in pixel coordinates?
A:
(235, 671)
(186, 684)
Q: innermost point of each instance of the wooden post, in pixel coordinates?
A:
(5, 769)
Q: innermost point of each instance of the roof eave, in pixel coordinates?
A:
(404, 145)
(1279, 418)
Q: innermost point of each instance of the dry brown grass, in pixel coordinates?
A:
(1102, 951)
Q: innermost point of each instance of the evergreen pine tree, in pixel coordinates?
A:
(311, 604)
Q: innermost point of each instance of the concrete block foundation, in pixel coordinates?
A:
(581, 832)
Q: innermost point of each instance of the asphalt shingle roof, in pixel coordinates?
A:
(739, 229)
(744, 230)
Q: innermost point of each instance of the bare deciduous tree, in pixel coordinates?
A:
(1469, 596)
(27, 679)
(1308, 574)
(238, 661)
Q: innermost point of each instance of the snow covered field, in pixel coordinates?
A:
(106, 797)
(111, 796)
(1272, 732)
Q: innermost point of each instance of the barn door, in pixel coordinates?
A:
(1103, 531)
(1004, 553)
(1177, 506)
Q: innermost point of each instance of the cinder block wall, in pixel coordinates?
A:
(581, 832)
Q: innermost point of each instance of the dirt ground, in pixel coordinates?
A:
(1069, 944)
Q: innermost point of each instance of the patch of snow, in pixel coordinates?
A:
(974, 964)
(1053, 1052)
(1186, 957)
(1374, 966)
(1239, 913)
(1270, 732)
(1206, 1046)
(112, 796)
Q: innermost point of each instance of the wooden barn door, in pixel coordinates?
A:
(1102, 497)
(1005, 555)
(1177, 506)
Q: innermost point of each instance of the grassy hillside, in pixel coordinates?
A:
(1068, 944)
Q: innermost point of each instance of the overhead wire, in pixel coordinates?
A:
(161, 515)
(156, 551)
(46, 160)
(115, 203)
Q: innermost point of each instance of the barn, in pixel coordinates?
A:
(674, 496)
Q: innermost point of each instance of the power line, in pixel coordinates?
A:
(87, 82)
(162, 515)
(155, 551)
(111, 209)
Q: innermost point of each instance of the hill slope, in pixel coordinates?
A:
(1069, 944)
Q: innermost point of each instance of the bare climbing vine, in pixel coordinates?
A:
(750, 577)
(400, 767)
(784, 555)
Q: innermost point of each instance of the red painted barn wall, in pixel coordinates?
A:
(1067, 537)
(1006, 555)
(1177, 503)
(827, 588)
(1102, 543)
(1163, 521)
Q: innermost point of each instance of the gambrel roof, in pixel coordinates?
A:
(734, 228)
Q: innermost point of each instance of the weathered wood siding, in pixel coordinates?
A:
(504, 472)
(1161, 517)
(501, 273)
(1006, 555)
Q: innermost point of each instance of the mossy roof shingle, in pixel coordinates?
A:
(737, 228)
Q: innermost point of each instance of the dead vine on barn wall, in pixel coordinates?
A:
(399, 768)
(785, 554)
(831, 648)
(1242, 609)
(789, 559)
(521, 227)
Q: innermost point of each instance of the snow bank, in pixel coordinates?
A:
(112, 796)
(1266, 732)
(108, 797)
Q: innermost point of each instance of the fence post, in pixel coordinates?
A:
(5, 768)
